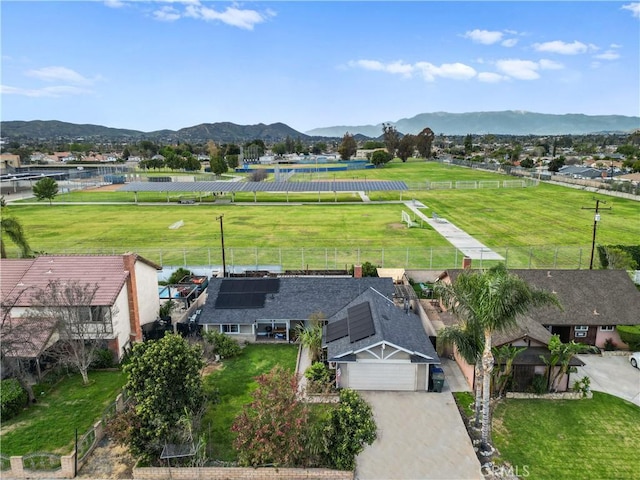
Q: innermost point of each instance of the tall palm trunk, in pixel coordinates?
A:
(487, 366)
(478, 392)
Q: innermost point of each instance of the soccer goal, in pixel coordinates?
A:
(406, 218)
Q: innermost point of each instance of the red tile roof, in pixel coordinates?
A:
(30, 275)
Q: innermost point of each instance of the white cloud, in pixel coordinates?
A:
(114, 3)
(608, 55)
(550, 65)
(634, 8)
(490, 77)
(509, 42)
(55, 74)
(166, 14)
(232, 16)
(429, 71)
(564, 48)
(520, 69)
(484, 37)
(52, 92)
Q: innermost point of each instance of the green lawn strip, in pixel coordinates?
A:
(235, 382)
(50, 424)
(566, 439)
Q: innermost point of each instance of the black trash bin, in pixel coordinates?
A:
(437, 378)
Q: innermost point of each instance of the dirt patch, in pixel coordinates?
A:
(107, 188)
(211, 367)
(108, 460)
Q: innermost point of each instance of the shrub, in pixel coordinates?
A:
(539, 384)
(13, 398)
(223, 344)
(630, 334)
(318, 377)
(104, 359)
(610, 345)
(351, 427)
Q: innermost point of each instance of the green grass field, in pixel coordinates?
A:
(554, 221)
(234, 383)
(567, 439)
(50, 424)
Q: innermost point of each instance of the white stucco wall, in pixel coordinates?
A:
(121, 320)
(147, 286)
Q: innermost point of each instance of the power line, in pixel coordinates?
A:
(596, 219)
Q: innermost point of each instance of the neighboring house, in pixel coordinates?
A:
(528, 363)
(593, 303)
(376, 345)
(127, 290)
(252, 309)
(9, 162)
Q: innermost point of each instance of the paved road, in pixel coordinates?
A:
(613, 375)
(420, 436)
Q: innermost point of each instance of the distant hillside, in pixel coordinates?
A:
(224, 132)
(507, 123)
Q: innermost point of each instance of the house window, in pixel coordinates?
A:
(607, 328)
(582, 328)
(231, 328)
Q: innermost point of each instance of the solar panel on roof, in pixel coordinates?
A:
(248, 285)
(226, 301)
(324, 186)
(360, 322)
(337, 330)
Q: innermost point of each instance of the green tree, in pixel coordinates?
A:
(45, 189)
(556, 164)
(272, 428)
(12, 229)
(560, 355)
(527, 163)
(468, 144)
(391, 138)
(192, 164)
(351, 427)
(164, 382)
(380, 157)
(372, 144)
(232, 161)
(348, 147)
(279, 149)
(318, 148)
(492, 300)
(218, 165)
(424, 142)
(505, 356)
(310, 335)
(406, 147)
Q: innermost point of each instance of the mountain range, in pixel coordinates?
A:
(500, 123)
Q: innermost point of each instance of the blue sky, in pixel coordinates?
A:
(149, 65)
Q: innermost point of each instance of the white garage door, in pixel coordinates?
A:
(382, 376)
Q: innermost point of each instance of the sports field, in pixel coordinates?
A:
(545, 217)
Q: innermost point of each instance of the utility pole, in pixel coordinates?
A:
(596, 219)
(224, 264)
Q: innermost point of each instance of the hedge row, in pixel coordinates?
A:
(13, 398)
(630, 334)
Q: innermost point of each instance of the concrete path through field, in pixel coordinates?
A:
(457, 237)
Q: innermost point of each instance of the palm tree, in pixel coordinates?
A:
(468, 341)
(11, 227)
(491, 300)
(310, 335)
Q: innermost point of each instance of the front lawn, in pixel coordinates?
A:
(588, 439)
(234, 383)
(50, 424)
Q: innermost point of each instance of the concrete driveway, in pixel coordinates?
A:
(613, 375)
(420, 436)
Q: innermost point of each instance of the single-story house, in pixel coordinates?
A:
(375, 345)
(593, 303)
(126, 295)
(269, 308)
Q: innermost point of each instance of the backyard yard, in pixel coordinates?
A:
(50, 424)
(233, 384)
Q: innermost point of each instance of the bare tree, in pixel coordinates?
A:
(22, 340)
(82, 325)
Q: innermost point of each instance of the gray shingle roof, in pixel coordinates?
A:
(392, 325)
(297, 299)
(588, 297)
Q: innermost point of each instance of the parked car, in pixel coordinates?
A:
(635, 359)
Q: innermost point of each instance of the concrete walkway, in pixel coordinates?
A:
(457, 237)
(612, 375)
(420, 436)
